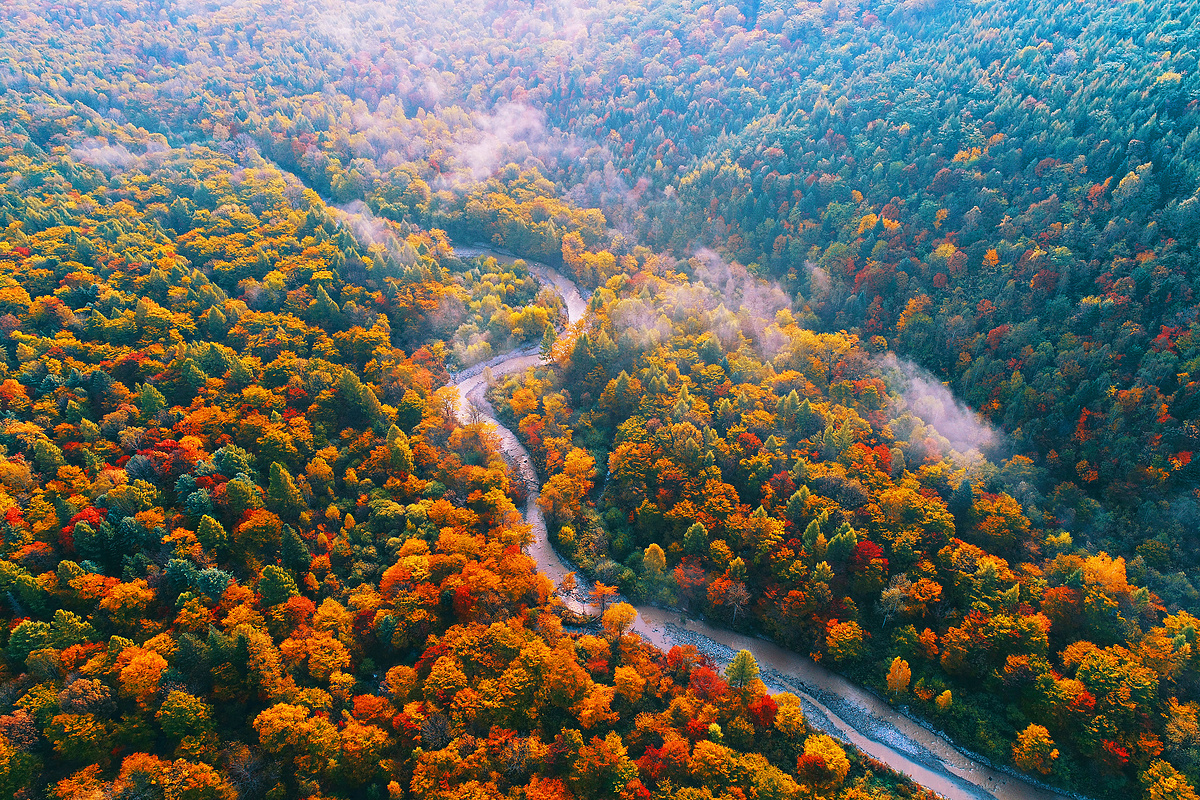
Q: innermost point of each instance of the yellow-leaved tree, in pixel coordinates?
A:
(898, 676)
(823, 765)
(1034, 750)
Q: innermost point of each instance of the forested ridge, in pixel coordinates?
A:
(249, 550)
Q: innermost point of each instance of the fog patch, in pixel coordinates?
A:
(933, 421)
(818, 279)
(623, 206)
(506, 135)
(644, 324)
(97, 152)
(376, 232)
(757, 302)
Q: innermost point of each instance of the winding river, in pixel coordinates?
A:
(830, 702)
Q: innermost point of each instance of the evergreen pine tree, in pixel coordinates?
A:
(211, 534)
(695, 541)
(402, 457)
(276, 585)
(294, 552)
(742, 670)
(150, 400)
(549, 339)
(961, 502)
(283, 493)
(410, 410)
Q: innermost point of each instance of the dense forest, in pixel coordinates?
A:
(1006, 193)
(769, 476)
(249, 550)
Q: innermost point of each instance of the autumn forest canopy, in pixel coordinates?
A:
(891, 355)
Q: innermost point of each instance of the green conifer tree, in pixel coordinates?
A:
(294, 552)
(283, 494)
(549, 339)
(211, 534)
(276, 585)
(150, 400)
(402, 457)
(695, 541)
(742, 670)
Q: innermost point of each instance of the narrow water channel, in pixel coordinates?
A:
(831, 702)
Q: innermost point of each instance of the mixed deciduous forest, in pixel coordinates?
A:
(891, 355)
(250, 552)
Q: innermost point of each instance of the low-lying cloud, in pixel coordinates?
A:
(99, 153)
(755, 302)
(509, 133)
(818, 279)
(963, 429)
(372, 230)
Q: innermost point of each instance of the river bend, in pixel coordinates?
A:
(831, 702)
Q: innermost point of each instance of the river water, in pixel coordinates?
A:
(831, 703)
